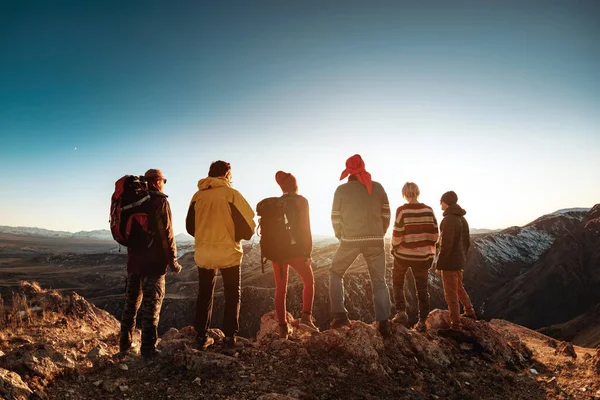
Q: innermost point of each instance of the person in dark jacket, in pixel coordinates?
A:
(146, 269)
(360, 216)
(299, 260)
(219, 217)
(453, 245)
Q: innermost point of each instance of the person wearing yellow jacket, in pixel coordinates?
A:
(219, 217)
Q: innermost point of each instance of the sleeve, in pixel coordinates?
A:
(435, 227)
(190, 219)
(385, 210)
(336, 216)
(398, 232)
(446, 239)
(243, 217)
(305, 232)
(165, 231)
(466, 235)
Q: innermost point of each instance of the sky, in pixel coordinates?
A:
(498, 101)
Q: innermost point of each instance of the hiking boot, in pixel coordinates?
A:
(308, 322)
(420, 326)
(203, 342)
(231, 342)
(470, 315)
(150, 353)
(339, 321)
(284, 331)
(401, 318)
(385, 328)
(125, 342)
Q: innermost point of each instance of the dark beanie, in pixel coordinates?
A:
(286, 181)
(449, 198)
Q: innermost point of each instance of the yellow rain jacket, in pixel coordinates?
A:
(219, 217)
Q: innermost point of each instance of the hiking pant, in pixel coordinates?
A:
(420, 271)
(149, 291)
(454, 291)
(204, 304)
(280, 271)
(343, 259)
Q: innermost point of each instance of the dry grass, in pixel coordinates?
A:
(2, 313)
(18, 313)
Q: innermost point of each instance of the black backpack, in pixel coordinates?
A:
(277, 229)
(129, 219)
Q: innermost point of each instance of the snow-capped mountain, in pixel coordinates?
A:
(563, 283)
(497, 258)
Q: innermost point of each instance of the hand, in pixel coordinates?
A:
(438, 272)
(175, 267)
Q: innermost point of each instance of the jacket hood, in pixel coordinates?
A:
(211, 183)
(455, 209)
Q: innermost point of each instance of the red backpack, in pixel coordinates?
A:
(129, 219)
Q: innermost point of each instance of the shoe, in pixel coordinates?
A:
(339, 321)
(385, 328)
(420, 326)
(284, 331)
(470, 315)
(401, 318)
(231, 342)
(151, 353)
(203, 342)
(125, 342)
(308, 322)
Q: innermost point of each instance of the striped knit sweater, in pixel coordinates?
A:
(415, 232)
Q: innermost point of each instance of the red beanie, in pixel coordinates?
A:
(286, 181)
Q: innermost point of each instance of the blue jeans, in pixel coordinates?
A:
(343, 259)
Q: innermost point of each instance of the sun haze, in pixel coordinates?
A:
(496, 101)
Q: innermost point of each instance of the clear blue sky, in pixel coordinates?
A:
(497, 100)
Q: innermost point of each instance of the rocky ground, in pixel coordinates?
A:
(55, 346)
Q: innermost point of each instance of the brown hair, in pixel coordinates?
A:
(219, 168)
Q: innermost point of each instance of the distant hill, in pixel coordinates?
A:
(98, 234)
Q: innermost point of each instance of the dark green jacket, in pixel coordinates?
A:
(454, 240)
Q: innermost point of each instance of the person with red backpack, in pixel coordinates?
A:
(147, 264)
(297, 257)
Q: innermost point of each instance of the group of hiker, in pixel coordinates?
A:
(219, 218)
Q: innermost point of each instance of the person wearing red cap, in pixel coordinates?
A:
(360, 216)
(300, 261)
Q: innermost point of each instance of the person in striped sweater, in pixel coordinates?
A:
(413, 246)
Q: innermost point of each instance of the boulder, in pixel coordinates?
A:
(12, 386)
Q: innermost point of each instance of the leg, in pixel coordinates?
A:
(133, 300)
(450, 281)
(421, 273)
(204, 303)
(463, 296)
(398, 275)
(302, 266)
(154, 293)
(343, 259)
(232, 290)
(375, 258)
(280, 273)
